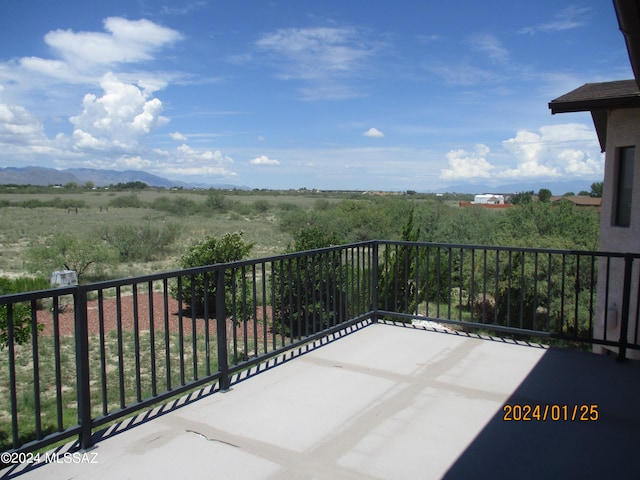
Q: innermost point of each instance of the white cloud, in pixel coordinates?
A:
(18, 125)
(133, 163)
(178, 136)
(567, 19)
(83, 58)
(21, 133)
(323, 56)
(190, 164)
(117, 120)
(491, 46)
(264, 160)
(557, 150)
(127, 41)
(309, 53)
(467, 165)
(460, 74)
(373, 132)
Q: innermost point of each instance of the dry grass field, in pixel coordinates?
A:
(21, 228)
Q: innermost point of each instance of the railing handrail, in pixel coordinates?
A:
(69, 290)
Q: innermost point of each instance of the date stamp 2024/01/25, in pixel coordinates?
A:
(550, 412)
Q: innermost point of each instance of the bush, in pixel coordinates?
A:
(261, 206)
(21, 315)
(128, 201)
(68, 252)
(230, 248)
(310, 292)
(142, 242)
(179, 206)
(396, 285)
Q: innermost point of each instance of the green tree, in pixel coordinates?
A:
(63, 250)
(396, 285)
(521, 198)
(230, 248)
(544, 195)
(310, 290)
(596, 189)
(546, 225)
(20, 314)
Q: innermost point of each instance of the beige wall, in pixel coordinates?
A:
(623, 131)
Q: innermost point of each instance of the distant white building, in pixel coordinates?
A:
(488, 199)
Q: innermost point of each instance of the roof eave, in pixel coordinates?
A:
(558, 106)
(628, 13)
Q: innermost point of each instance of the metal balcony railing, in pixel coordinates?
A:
(77, 358)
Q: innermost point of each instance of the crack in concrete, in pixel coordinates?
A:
(213, 439)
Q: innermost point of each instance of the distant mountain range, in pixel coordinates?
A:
(104, 178)
(100, 178)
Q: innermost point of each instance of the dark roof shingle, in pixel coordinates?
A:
(590, 96)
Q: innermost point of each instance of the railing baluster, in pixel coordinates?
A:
(36, 370)
(57, 361)
(245, 323)
(194, 328)
(103, 354)
(82, 368)
(121, 378)
(167, 331)
(136, 342)
(626, 301)
(181, 327)
(206, 321)
(152, 340)
(12, 375)
(254, 308)
(265, 322)
(221, 330)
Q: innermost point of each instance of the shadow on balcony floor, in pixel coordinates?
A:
(598, 439)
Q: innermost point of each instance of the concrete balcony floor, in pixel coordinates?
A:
(387, 402)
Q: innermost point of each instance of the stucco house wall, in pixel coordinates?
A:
(623, 131)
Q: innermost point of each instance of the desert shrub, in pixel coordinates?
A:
(126, 201)
(261, 206)
(216, 202)
(179, 206)
(143, 241)
(230, 248)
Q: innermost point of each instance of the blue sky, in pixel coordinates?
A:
(406, 95)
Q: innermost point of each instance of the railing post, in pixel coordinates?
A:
(82, 368)
(626, 299)
(221, 329)
(374, 281)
